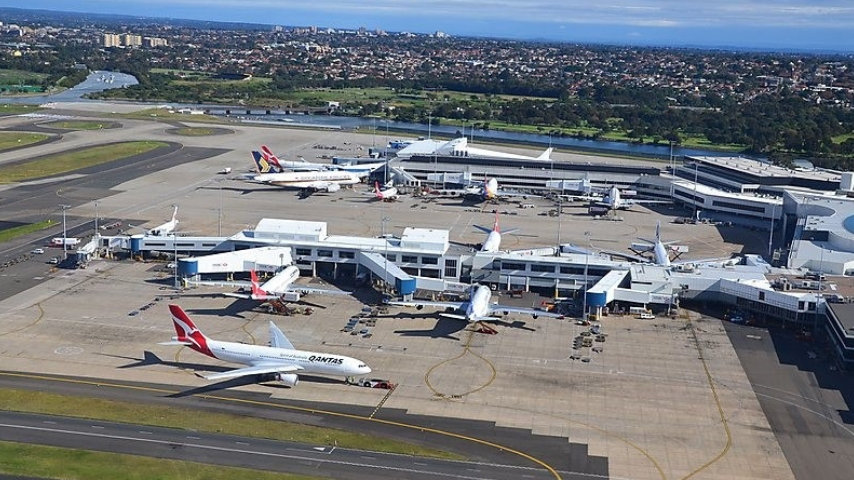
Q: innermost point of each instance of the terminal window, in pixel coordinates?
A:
(430, 260)
(324, 253)
(346, 255)
(303, 251)
(409, 259)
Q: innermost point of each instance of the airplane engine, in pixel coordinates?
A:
(534, 316)
(334, 187)
(287, 379)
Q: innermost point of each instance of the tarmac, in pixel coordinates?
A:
(663, 399)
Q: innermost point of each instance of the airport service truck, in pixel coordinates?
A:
(68, 241)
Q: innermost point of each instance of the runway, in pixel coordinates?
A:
(487, 460)
(236, 451)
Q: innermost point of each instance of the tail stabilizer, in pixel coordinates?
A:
(377, 189)
(495, 227)
(175, 214)
(547, 155)
(270, 157)
(278, 339)
(188, 333)
(257, 291)
(658, 232)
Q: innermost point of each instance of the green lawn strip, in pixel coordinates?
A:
(17, 109)
(194, 131)
(18, 139)
(78, 125)
(73, 464)
(74, 160)
(842, 138)
(163, 416)
(15, 232)
(16, 77)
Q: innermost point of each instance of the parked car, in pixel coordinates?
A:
(38, 251)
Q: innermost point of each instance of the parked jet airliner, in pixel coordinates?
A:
(478, 308)
(493, 238)
(280, 361)
(326, 180)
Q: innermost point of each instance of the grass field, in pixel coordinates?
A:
(15, 232)
(78, 125)
(163, 416)
(17, 77)
(843, 137)
(194, 131)
(20, 459)
(17, 109)
(18, 139)
(75, 160)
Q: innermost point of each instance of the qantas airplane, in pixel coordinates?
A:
(360, 169)
(300, 165)
(493, 238)
(281, 287)
(325, 180)
(483, 191)
(280, 361)
(386, 195)
(660, 250)
(478, 308)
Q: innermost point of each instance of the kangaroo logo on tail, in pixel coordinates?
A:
(187, 331)
(256, 287)
(271, 158)
(495, 227)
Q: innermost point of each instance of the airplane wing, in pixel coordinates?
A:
(254, 370)
(278, 339)
(495, 308)
(425, 303)
(301, 289)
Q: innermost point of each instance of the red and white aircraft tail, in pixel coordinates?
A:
(187, 332)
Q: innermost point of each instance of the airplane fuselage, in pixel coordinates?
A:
(478, 304)
(307, 179)
(492, 242)
(311, 362)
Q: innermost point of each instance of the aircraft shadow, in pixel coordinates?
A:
(149, 358)
(444, 328)
(247, 380)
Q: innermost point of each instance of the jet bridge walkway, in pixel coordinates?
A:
(388, 272)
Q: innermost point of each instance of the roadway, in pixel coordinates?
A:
(804, 401)
(487, 461)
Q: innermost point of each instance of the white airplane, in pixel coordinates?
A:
(300, 165)
(166, 228)
(280, 287)
(478, 308)
(493, 238)
(325, 180)
(280, 361)
(386, 195)
(486, 190)
(660, 250)
(614, 201)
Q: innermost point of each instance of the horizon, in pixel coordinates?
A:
(744, 25)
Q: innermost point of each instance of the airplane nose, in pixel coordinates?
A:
(366, 369)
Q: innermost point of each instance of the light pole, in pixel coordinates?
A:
(64, 207)
(586, 265)
(219, 213)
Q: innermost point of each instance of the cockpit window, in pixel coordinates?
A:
(362, 365)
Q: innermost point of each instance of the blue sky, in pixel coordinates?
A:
(785, 24)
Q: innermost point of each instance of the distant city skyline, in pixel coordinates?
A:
(806, 25)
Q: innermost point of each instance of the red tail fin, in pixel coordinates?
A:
(495, 224)
(269, 156)
(377, 188)
(256, 287)
(187, 331)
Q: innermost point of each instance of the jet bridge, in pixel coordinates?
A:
(602, 293)
(387, 271)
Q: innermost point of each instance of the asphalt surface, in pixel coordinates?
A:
(487, 461)
(32, 202)
(240, 451)
(807, 404)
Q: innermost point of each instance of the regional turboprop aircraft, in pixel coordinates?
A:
(280, 361)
